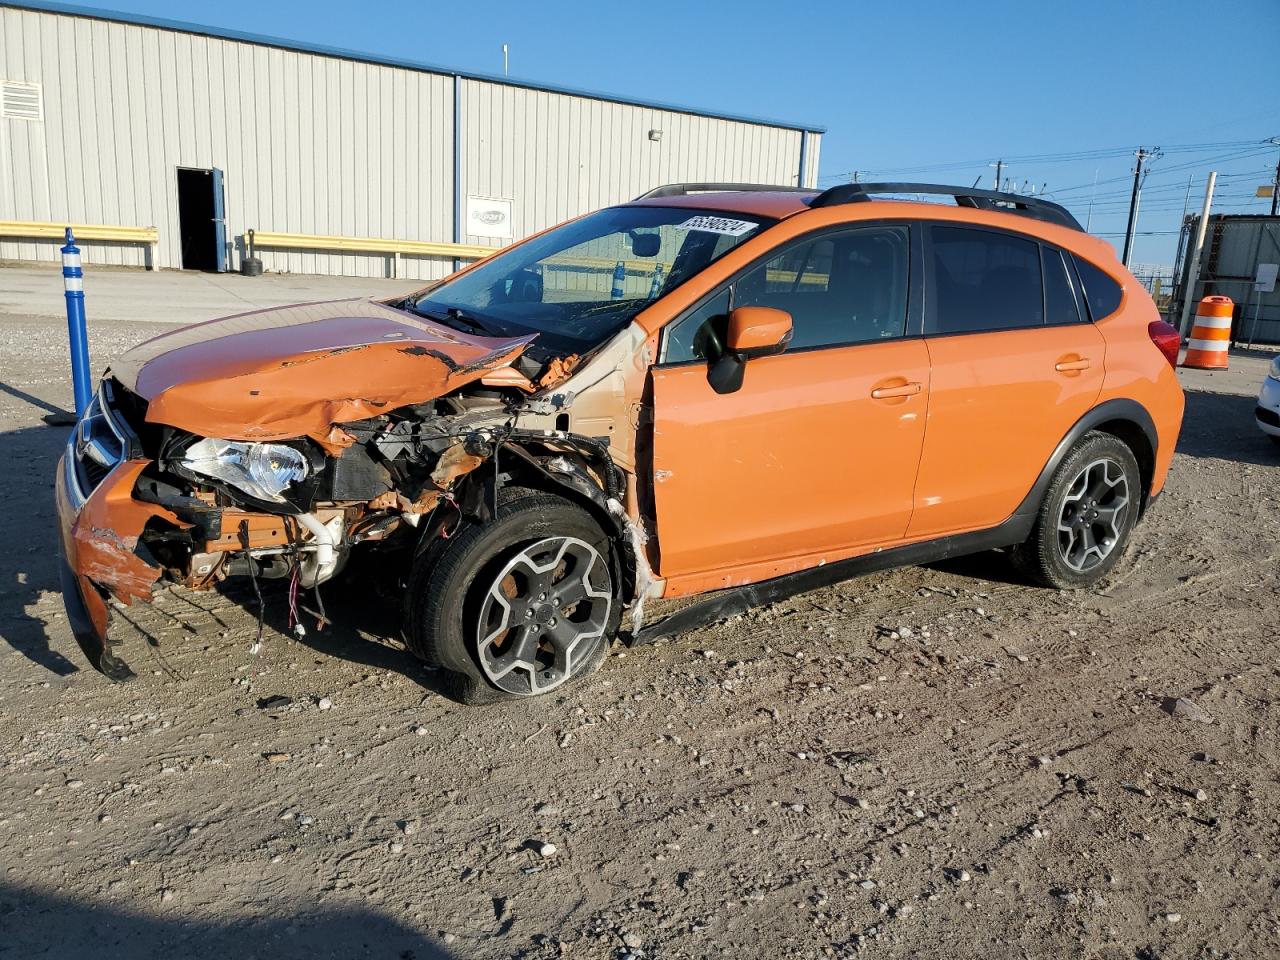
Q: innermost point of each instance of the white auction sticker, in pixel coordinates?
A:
(730, 228)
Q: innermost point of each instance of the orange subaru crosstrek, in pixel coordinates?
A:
(729, 390)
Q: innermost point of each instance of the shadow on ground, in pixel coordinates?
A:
(29, 531)
(44, 925)
(1221, 426)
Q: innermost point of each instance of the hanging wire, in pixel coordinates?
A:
(253, 579)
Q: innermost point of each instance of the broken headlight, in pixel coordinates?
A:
(262, 470)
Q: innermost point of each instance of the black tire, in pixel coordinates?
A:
(1065, 548)
(1274, 439)
(450, 589)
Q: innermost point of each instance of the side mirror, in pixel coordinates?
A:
(752, 332)
(758, 331)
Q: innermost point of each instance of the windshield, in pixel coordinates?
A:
(580, 283)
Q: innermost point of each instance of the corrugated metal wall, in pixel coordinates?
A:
(1233, 249)
(558, 156)
(323, 145)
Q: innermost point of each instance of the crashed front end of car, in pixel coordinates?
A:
(273, 443)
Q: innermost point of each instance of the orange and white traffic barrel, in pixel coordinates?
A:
(1210, 335)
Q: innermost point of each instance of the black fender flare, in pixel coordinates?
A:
(1121, 408)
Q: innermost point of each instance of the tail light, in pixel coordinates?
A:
(1167, 340)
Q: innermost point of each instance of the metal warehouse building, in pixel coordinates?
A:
(1236, 248)
(205, 134)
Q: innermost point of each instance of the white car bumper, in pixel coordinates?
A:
(1268, 412)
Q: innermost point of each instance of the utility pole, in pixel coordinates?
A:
(504, 60)
(1186, 201)
(1275, 184)
(1193, 274)
(999, 165)
(1143, 156)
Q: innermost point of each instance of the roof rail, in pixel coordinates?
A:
(684, 189)
(1032, 207)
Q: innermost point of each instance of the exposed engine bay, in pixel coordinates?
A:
(288, 509)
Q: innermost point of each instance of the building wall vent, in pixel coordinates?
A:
(21, 101)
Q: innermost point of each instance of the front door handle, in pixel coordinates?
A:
(904, 390)
(1068, 366)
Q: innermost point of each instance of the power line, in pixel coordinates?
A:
(1061, 157)
(1163, 171)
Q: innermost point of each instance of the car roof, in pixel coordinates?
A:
(762, 203)
(780, 204)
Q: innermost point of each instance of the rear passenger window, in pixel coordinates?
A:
(1101, 293)
(1059, 295)
(983, 280)
(842, 288)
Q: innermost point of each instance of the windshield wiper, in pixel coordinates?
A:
(456, 317)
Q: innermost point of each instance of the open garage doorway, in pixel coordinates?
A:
(201, 224)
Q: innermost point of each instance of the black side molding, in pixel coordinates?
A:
(727, 603)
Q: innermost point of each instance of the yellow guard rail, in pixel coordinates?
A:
(37, 230)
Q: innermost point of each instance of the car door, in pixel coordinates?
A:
(1014, 363)
(817, 451)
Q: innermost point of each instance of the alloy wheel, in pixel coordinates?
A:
(1093, 515)
(544, 613)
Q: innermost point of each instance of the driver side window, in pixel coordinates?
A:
(840, 288)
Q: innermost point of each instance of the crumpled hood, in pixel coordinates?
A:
(300, 370)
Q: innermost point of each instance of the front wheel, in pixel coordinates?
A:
(518, 606)
(1086, 517)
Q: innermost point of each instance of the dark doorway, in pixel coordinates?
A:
(199, 219)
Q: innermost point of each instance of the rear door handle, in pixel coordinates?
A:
(905, 390)
(1066, 366)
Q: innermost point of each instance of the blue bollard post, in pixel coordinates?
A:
(619, 281)
(73, 284)
(655, 288)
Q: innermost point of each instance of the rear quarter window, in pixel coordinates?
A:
(1060, 304)
(1101, 293)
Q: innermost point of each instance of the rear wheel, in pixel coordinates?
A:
(518, 606)
(1086, 517)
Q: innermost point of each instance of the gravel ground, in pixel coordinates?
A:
(936, 762)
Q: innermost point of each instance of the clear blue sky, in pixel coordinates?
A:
(928, 91)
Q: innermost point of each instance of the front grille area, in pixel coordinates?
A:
(98, 443)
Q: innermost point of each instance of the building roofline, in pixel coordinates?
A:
(222, 33)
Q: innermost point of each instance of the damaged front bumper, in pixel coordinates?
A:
(100, 554)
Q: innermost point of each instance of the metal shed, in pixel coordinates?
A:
(1234, 247)
(118, 119)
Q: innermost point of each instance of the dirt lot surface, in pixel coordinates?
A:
(934, 762)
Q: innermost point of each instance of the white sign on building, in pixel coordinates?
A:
(488, 217)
